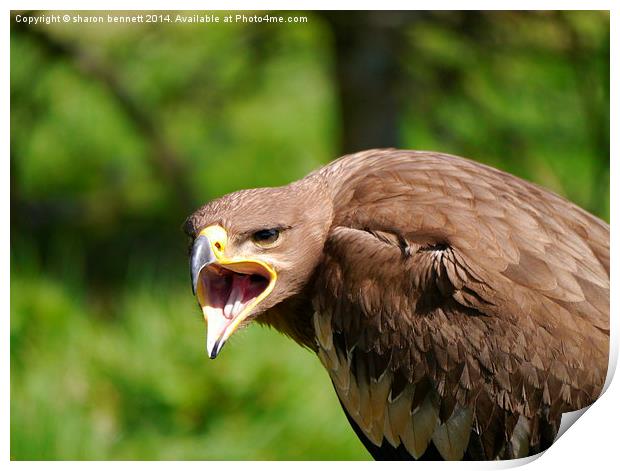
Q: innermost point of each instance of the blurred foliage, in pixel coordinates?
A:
(119, 131)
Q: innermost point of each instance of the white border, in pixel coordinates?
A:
(312, 5)
(590, 444)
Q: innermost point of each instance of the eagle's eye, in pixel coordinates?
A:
(266, 237)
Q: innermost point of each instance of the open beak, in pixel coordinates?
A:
(227, 289)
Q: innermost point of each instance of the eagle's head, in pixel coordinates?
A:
(252, 249)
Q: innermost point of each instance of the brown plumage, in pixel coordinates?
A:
(458, 310)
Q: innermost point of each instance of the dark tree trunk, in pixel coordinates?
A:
(369, 75)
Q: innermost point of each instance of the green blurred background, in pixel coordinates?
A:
(119, 131)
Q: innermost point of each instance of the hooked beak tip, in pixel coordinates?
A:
(217, 347)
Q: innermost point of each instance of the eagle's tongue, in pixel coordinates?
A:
(229, 295)
(219, 318)
(240, 285)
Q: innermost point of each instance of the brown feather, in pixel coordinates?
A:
(440, 292)
(452, 437)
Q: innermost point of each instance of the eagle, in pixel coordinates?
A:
(458, 310)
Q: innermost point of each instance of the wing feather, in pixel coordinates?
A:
(472, 308)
